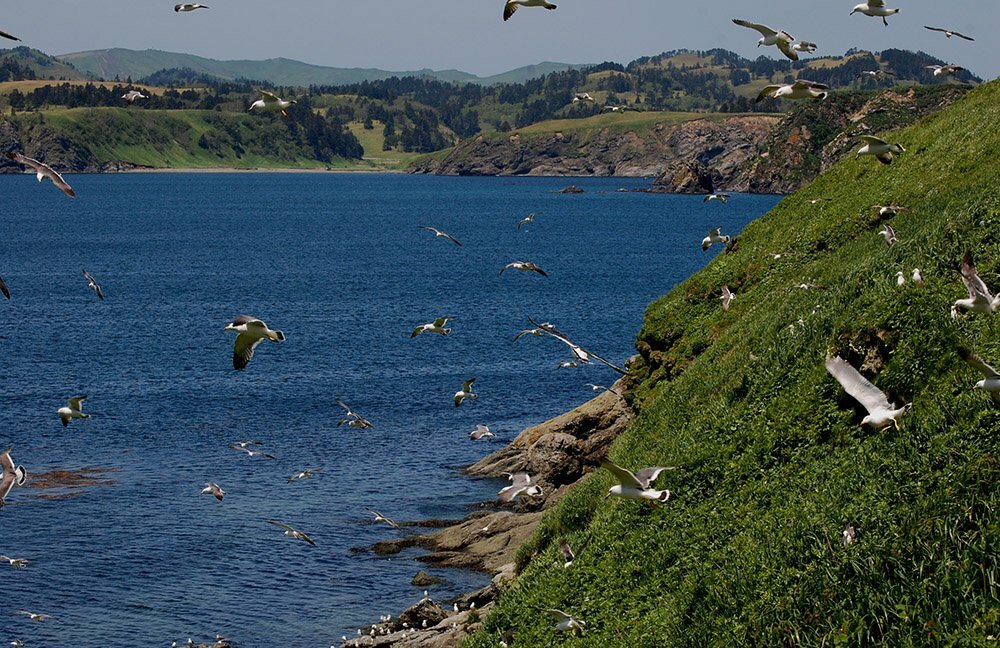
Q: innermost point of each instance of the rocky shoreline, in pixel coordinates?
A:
(557, 453)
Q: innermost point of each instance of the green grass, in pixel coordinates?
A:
(639, 122)
(773, 463)
(375, 157)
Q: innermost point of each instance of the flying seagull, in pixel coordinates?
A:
(714, 236)
(271, 103)
(250, 333)
(437, 326)
(579, 353)
(727, 296)
(980, 300)
(4, 289)
(43, 171)
(520, 484)
(292, 533)
(886, 211)
(566, 622)
(378, 517)
(16, 563)
(251, 453)
(511, 6)
(92, 283)
(770, 36)
(439, 234)
(243, 445)
(889, 235)
(875, 9)
(721, 197)
(805, 46)
(481, 432)
(801, 89)
(211, 488)
(527, 220)
(567, 553)
(583, 96)
(881, 413)
(306, 473)
(944, 70)
(33, 616)
(524, 266)
(991, 379)
(72, 411)
(636, 485)
(882, 150)
(190, 6)
(10, 475)
(949, 33)
(132, 95)
(353, 419)
(537, 332)
(465, 392)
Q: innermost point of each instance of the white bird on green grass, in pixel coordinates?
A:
(567, 622)
(881, 413)
(636, 485)
(882, 150)
(991, 379)
(980, 299)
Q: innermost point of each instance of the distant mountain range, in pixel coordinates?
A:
(122, 63)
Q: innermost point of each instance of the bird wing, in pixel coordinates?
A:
(452, 239)
(884, 158)
(806, 83)
(509, 265)
(876, 3)
(767, 91)
(280, 524)
(508, 493)
(647, 476)
(6, 35)
(715, 232)
(467, 385)
(243, 350)
(558, 615)
(786, 48)
(871, 139)
(970, 277)
(870, 396)
(508, 9)
(977, 362)
(534, 268)
(270, 96)
(625, 477)
(243, 319)
(441, 321)
(306, 538)
(6, 464)
(77, 402)
(968, 38)
(521, 334)
(763, 29)
(4, 289)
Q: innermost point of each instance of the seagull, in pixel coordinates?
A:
(566, 622)
(885, 211)
(16, 563)
(524, 266)
(849, 534)
(600, 388)
(874, 74)
(521, 484)
(353, 419)
(527, 220)
(292, 533)
(4, 289)
(917, 277)
(306, 473)
(43, 171)
(878, 147)
(567, 553)
(132, 95)
(251, 453)
(211, 488)
(583, 96)
(10, 476)
(714, 236)
(242, 445)
(569, 364)
(511, 6)
(769, 36)
(480, 432)
(637, 485)
(438, 233)
(272, 103)
(801, 89)
(378, 517)
(881, 413)
(980, 300)
(900, 278)
(537, 332)
(9, 36)
(805, 46)
(727, 296)
(33, 616)
(190, 6)
(889, 235)
(72, 411)
(721, 197)
(949, 33)
(251, 331)
(465, 392)
(579, 353)
(815, 201)
(875, 9)
(437, 326)
(944, 70)
(92, 283)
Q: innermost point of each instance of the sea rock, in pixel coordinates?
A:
(572, 189)
(423, 579)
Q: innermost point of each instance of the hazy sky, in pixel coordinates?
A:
(470, 35)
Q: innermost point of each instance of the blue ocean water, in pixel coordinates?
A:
(337, 262)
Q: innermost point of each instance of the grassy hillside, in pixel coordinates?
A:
(772, 462)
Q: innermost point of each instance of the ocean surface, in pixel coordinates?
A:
(338, 263)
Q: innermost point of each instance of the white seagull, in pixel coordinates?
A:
(885, 211)
(714, 236)
(882, 150)
(991, 379)
(949, 33)
(511, 6)
(378, 517)
(33, 616)
(721, 197)
(305, 473)
(900, 278)
(980, 300)
(251, 453)
(849, 534)
(567, 553)
(770, 36)
(10, 476)
(132, 95)
(92, 284)
(16, 563)
(353, 419)
(583, 96)
(805, 46)
(465, 392)
(439, 234)
(72, 411)
(944, 70)
(727, 296)
(481, 432)
(875, 9)
(889, 235)
(520, 484)
(636, 485)
(881, 413)
(917, 277)
(43, 171)
(801, 89)
(437, 326)
(211, 488)
(272, 103)
(251, 331)
(524, 266)
(292, 533)
(527, 220)
(579, 353)
(566, 622)
(189, 6)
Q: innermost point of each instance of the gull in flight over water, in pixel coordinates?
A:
(251, 331)
(272, 103)
(636, 485)
(991, 379)
(881, 413)
(511, 6)
(92, 284)
(949, 33)
(189, 6)
(579, 353)
(439, 234)
(714, 236)
(481, 432)
(770, 36)
(251, 453)
(980, 300)
(882, 150)
(353, 419)
(566, 622)
(33, 616)
(43, 171)
(801, 89)
(306, 473)
(378, 517)
(524, 266)
(601, 388)
(527, 220)
(10, 476)
(73, 410)
(132, 95)
(520, 484)
(16, 563)
(465, 392)
(567, 553)
(292, 533)
(211, 488)
(875, 9)
(721, 197)
(437, 326)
